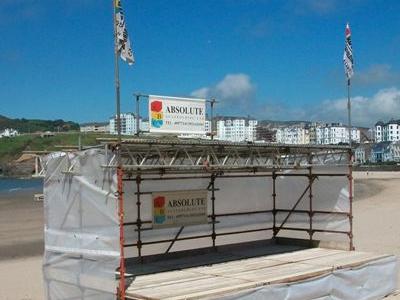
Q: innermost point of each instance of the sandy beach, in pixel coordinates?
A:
(376, 229)
(21, 246)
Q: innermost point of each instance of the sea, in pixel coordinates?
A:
(15, 185)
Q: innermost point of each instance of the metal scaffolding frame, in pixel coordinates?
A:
(39, 164)
(146, 159)
(195, 156)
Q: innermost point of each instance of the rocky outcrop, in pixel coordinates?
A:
(23, 166)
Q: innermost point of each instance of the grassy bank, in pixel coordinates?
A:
(12, 148)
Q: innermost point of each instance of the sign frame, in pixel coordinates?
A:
(179, 214)
(163, 122)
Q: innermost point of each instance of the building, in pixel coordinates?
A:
(394, 149)
(9, 132)
(379, 131)
(387, 132)
(265, 134)
(293, 135)
(128, 124)
(366, 135)
(236, 129)
(208, 126)
(335, 133)
(362, 154)
(312, 132)
(95, 127)
(386, 152)
(381, 152)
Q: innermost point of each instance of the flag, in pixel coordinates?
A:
(122, 41)
(348, 54)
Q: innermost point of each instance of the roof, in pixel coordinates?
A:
(380, 146)
(392, 121)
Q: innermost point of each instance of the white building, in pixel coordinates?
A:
(336, 133)
(389, 132)
(94, 127)
(236, 129)
(394, 149)
(362, 154)
(378, 132)
(293, 135)
(9, 132)
(208, 127)
(128, 124)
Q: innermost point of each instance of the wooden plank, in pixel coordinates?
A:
(345, 259)
(220, 279)
(300, 272)
(303, 255)
(290, 272)
(219, 285)
(183, 289)
(237, 266)
(216, 293)
(167, 278)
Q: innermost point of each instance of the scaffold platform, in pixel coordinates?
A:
(317, 272)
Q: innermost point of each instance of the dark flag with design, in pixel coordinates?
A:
(348, 54)
(121, 34)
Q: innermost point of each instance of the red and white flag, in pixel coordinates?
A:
(121, 34)
(348, 54)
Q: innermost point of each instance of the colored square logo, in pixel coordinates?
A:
(159, 210)
(156, 114)
(156, 106)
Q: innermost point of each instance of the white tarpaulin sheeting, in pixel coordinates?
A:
(370, 281)
(81, 227)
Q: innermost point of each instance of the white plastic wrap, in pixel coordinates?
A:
(329, 194)
(81, 227)
(370, 281)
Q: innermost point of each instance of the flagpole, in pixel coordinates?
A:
(116, 79)
(121, 285)
(349, 110)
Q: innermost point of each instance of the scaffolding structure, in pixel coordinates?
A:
(98, 204)
(172, 159)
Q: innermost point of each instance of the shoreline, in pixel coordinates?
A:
(19, 187)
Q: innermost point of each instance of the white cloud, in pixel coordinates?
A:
(233, 90)
(384, 105)
(201, 93)
(365, 111)
(378, 73)
(236, 93)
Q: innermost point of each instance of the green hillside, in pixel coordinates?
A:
(12, 148)
(28, 126)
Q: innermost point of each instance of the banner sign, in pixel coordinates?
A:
(180, 208)
(177, 115)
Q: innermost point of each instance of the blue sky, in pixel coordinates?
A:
(279, 60)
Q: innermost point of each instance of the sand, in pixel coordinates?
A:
(21, 225)
(21, 246)
(376, 229)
